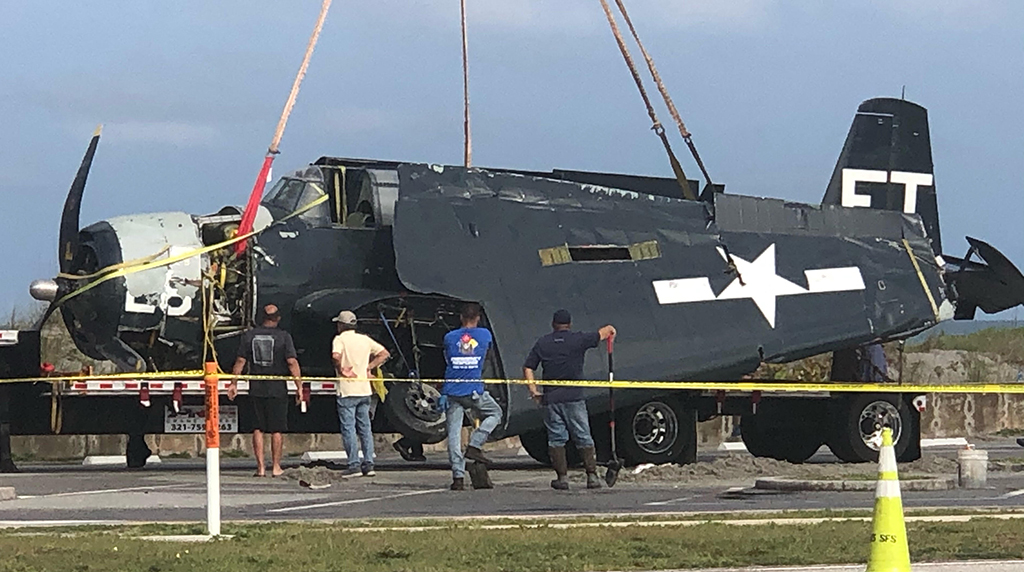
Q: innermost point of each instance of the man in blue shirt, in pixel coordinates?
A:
(561, 354)
(465, 351)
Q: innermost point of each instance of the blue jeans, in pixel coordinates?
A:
(484, 406)
(568, 418)
(354, 414)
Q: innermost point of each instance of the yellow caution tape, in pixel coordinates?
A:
(120, 270)
(765, 386)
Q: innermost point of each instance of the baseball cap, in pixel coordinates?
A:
(562, 317)
(269, 313)
(345, 317)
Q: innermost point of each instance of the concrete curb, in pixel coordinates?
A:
(795, 485)
(114, 460)
(7, 493)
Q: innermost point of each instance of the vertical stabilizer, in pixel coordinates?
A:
(886, 163)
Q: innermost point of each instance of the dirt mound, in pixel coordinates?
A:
(747, 467)
(316, 476)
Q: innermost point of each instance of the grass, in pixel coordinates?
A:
(1006, 343)
(319, 547)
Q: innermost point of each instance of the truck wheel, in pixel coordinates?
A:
(786, 432)
(536, 445)
(412, 410)
(758, 442)
(913, 450)
(801, 444)
(658, 431)
(859, 421)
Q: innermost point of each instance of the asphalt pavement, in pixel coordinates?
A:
(175, 491)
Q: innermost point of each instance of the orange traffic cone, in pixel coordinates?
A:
(889, 550)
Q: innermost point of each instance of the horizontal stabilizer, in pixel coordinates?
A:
(993, 284)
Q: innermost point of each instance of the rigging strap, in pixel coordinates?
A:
(659, 130)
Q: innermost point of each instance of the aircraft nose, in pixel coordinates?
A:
(43, 290)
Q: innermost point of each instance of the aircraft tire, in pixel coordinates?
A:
(409, 408)
(659, 431)
(859, 416)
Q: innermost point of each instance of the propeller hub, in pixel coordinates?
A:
(44, 290)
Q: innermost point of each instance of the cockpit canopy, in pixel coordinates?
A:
(333, 196)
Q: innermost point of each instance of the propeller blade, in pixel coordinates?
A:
(73, 205)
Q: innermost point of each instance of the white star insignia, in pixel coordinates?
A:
(759, 282)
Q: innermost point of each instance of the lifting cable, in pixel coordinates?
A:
(656, 126)
(664, 92)
(467, 139)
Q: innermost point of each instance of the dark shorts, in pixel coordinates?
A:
(270, 414)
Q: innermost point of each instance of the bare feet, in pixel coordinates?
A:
(277, 472)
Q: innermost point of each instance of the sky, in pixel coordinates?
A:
(190, 91)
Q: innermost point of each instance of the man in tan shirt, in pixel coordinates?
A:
(355, 355)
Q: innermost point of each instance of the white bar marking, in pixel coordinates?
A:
(354, 501)
(834, 279)
(683, 290)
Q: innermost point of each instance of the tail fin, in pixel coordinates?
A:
(886, 163)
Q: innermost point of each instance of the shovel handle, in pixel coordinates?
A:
(611, 345)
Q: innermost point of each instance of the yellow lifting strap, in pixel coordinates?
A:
(659, 130)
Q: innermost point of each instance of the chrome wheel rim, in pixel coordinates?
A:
(873, 418)
(655, 428)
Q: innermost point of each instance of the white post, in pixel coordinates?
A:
(212, 381)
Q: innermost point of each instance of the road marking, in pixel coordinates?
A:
(1012, 494)
(671, 501)
(104, 491)
(354, 501)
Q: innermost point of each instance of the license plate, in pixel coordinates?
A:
(192, 419)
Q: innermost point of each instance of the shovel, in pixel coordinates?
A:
(615, 464)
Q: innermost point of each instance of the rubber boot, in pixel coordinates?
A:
(561, 467)
(475, 454)
(590, 464)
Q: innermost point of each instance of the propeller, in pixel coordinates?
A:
(73, 205)
(68, 242)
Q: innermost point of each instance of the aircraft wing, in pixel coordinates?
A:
(696, 291)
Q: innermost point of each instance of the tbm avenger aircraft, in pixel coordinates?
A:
(704, 289)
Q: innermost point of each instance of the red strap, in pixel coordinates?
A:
(249, 215)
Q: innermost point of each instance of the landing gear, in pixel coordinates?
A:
(412, 410)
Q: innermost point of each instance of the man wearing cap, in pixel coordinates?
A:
(268, 351)
(355, 355)
(561, 354)
(465, 351)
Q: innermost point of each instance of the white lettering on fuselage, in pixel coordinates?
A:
(910, 182)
